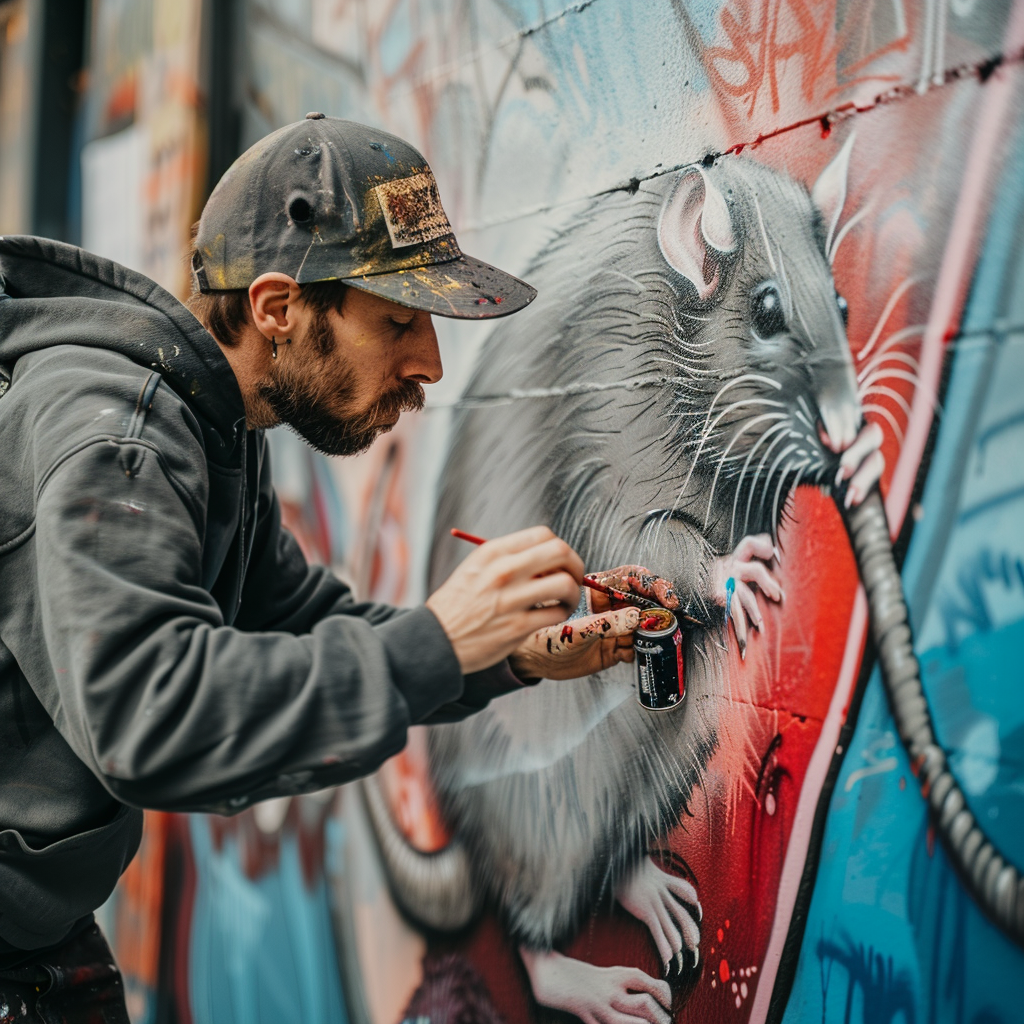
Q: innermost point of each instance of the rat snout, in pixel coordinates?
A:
(839, 424)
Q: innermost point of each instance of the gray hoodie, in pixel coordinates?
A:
(163, 642)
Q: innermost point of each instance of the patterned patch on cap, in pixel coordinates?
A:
(412, 210)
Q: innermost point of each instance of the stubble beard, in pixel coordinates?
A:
(305, 403)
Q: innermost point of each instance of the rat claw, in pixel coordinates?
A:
(680, 962)
(696, 956)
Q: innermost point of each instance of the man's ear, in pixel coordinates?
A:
(273, 299)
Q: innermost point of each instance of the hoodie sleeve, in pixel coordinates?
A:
(173, 709)
(283, 592)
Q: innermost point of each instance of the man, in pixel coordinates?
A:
(164, 643)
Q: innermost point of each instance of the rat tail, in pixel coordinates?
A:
(994, 882)
(438, 889)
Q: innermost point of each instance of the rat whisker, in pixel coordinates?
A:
(898, 292)
(899, 337)
(845, 229)
(742, 476)
(773, 522)
(881, 358)
(710, 427)
(890, 393)
(897, 374)
(894, 373)
(783, 477)
(804, 324)
(721, 462)
(887, 415)
(901, 375)
(743, 378)
(757, 473)
(788, 287)
(802, 418)
(764, 233)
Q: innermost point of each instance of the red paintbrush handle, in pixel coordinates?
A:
(472, 538)
(592, 584)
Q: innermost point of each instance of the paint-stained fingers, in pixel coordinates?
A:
(615, 577)
(759, 573)
(641, 1006)
(596, 601)
(623, 655)
(618, 625)
(868, 441)
(577, 647)
(755, 545)
(553, 555)
(869, 473)
(575, 635)
(636, 579)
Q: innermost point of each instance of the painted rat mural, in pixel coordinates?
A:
(701, 317)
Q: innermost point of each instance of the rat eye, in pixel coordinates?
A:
(766, 312)
(844, 308)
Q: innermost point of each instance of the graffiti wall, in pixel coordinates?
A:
(778, 253)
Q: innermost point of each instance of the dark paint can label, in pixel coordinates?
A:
(658, 643)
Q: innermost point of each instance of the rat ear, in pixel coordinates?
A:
(829, 192)
(695, 229)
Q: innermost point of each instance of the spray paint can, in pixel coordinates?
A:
(658, 642)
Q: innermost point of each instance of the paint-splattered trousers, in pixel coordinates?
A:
(77, 983)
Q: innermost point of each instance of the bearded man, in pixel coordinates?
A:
(163, 642)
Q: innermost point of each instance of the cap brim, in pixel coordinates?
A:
(464, 289)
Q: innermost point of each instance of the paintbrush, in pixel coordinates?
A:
(618, 595)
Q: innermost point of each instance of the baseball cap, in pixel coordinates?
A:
(326, 199)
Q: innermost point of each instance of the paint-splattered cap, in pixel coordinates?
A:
(326, 199)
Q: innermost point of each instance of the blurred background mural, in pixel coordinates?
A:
(555, 131)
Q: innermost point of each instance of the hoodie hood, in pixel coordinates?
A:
(52, 293)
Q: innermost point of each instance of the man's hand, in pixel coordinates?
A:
(503, 592)
(632, 579)
(579, 647)
(594, 642)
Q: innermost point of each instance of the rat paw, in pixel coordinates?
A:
(597, 995)
(748, 566)
(862, 464)
(669, 907)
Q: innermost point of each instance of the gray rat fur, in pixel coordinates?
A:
(557, 791)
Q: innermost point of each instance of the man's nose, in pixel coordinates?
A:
(421, 356)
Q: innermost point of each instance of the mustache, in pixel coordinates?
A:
(307, 412)
(407, 396)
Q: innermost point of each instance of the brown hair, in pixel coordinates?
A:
(225, 314)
